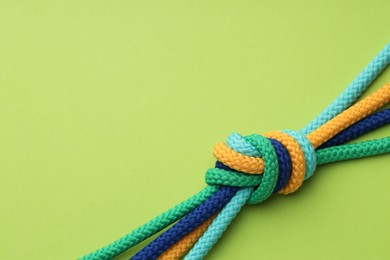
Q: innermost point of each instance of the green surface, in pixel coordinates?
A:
(109, 111)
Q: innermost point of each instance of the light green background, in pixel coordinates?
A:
(109, 111)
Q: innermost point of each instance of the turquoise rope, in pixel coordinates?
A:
(219, 224)
(353, 91)
(152, 227)
(308, 151)
(241, 145)
(238, 143)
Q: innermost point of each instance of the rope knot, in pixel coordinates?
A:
(277, 161)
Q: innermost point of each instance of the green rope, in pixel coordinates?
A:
(354, 151)
(216, 176)
(152, 227)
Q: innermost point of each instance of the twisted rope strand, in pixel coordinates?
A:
(217, 177)
(297, 158)
(219, 225)
(366, 125)
(152, 227)
(186, 224)
(339, 123)
(191, 221)
(324, 156)
(350, 116)
(328, 155)
(183, 245)
(369, 148)
(354, 151)
(360, 110)
(353, 91)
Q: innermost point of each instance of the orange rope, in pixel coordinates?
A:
(350, 116)
(297, 160)
(183, 245)
(238, 161)
(252, 165)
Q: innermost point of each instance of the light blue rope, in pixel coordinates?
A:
(308, 151)
(236, 142)
(239, 144)
(353, 91)
(219, 225)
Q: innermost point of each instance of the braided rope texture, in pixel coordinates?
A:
(250, 152)
(152, 227)
(308, 151)
(297, 158)
(265, 189)
(353, 91)
(365, 125)
(223, 175)
(270, 176)
(324, 156)
(241, 180)
(186, 225)
(354, 151)
(183, 245)
(344, 152)
(255, 165)
(350, 116)
(253, 156)
(219, 225)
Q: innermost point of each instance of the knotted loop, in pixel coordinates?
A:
(297, 159)
(239, 144)
(277, 161)
(271, 168)
(308, 151)
(265, 183)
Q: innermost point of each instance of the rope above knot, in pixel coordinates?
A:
(277, 161)
(263, 164)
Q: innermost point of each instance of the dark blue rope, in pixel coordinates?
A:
(186, 224)
(209, 207)
(225, 193)
(220, 165)
(284, 161)
(285, 164)
(365, 125)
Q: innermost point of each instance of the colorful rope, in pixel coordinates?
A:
(180, 248)
(187, 224)
(365, 125)
(353, 91)
(343, 152)
(220, 223)
(250, 168)
(152, 227)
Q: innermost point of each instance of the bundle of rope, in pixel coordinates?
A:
(249, 169)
